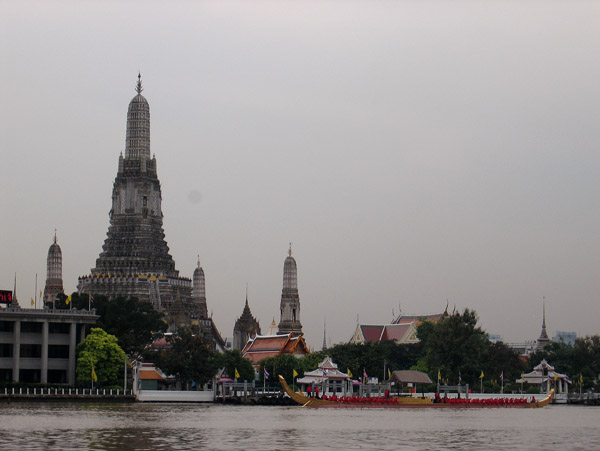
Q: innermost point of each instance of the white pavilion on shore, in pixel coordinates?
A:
(544, 375)
(327, 378)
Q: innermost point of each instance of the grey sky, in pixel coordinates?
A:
(412, 151)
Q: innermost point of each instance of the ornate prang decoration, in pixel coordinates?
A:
(290, 250)
(139, 87)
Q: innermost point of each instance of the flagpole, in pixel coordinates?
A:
(36, 290)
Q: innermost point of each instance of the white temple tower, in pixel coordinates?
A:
(290, 300)
(54, 281)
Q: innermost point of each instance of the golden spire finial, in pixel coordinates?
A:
(139, 87)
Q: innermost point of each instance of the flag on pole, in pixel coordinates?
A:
(581, 378)
(522, 375)
(295, 373)
(32, 301)
(459, 378)
(502, 376)
(266, 373)
(389, 374)
(365, 376)
(94, 377)
(481, 375)
(439, 375)
(237, 374)
(68, 300)
(349, 373)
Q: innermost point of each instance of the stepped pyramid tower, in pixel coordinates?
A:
(245, 328)
(54, 281)
(290, 300)
(135, 259)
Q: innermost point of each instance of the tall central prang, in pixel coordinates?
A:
(135, 259)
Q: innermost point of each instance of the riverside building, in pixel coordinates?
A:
(38, 345)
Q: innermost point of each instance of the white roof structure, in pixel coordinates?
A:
(327, 370)
(542, 373)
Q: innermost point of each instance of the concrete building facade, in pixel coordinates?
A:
(38, 346)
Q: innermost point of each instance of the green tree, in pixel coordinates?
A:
(455, 344)
(580, 360)
(283, 365)
(189, 357)
(100, 355)
(136, 324)
(232, 360)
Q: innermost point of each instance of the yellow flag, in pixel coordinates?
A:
(481, 375)
(581, 378)
(295, 373)
(32, 301)
(439, 376)
(349, 373)
(237, 374)
(68, 300)
(522, 375)
(94, 377)
(389, 374)
(41, 295)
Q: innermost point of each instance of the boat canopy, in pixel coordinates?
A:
(410, 376)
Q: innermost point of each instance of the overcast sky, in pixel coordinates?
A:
(413, 152)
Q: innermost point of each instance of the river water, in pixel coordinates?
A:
(70, 426)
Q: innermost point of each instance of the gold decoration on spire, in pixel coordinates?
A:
(139, 87)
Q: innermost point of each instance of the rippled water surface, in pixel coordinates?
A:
(193, 426)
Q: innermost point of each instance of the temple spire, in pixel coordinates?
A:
(324, 333)
(139, 88)
(543, 340)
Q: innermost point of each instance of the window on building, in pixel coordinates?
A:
(7, 326)
(6, 350)
(31, 327)
(31, 351)
(59, 328)
(58, 351)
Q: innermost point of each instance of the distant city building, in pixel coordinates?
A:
(523, 349)
(135, 259)
(54, 281)
(403, 330)
(290, 300)
(565, 337)
(494, 337)
(38, 346)
(246, 327)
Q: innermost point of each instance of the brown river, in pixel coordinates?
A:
(66, 426)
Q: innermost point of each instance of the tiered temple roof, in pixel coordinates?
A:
(265, 346)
